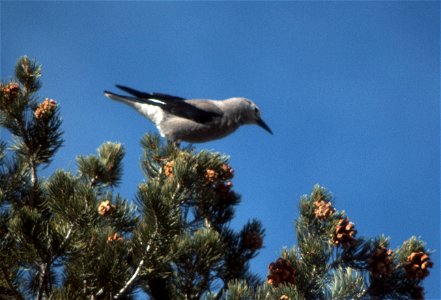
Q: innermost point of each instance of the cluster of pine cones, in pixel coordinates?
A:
(45, 109)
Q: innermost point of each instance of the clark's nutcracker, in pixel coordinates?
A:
(192, 120)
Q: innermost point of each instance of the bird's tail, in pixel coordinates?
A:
(125, 99)
(148, 108)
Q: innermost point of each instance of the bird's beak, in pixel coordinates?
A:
(262, 124)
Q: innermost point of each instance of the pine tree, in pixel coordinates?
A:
(332, 262)
(71, 236)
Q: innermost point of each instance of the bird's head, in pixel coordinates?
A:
(250, 114)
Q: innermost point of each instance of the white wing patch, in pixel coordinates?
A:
(157, 101)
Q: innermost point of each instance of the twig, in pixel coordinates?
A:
(34, 177)
(42, 281)
(65, 241)
(141, 263)
(69, 232)
(45, 268)
(135, 274)
(178, 187)
(221, 292)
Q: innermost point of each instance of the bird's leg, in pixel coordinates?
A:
(177, 144)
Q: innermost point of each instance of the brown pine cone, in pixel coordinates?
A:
(227, 172)
(417, 265)
(211, 175)
(252, 240)
(344, 233)
(323, 210)
(281, 272)
(381, 262)
(45, 109)
(168, 168)
(11, 89)
(105, 207)
(114, 238)
(223, 190)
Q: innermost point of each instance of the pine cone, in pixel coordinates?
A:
(114, 238)
(45, 109)
(211, 175)
(381, 263)
(168, 168)
(105, 207)
(227, 172)
(323, 210)
(252, 240)
(223, 190)
(281, 272)
(417, 265)
(11, 89)
(344, 233)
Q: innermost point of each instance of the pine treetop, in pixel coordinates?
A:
(72, 236)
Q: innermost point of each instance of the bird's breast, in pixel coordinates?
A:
(186, 130)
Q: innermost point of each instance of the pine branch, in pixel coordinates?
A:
(105, 169)
(347, 283)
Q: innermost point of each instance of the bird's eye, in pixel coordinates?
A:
(256, 110)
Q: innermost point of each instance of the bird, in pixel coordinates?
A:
(191, 120)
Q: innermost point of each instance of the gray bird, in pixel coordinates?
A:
(192, 120)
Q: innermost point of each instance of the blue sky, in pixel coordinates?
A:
(350, 89)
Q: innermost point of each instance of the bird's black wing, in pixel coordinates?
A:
(196, 110)
(140, 94)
